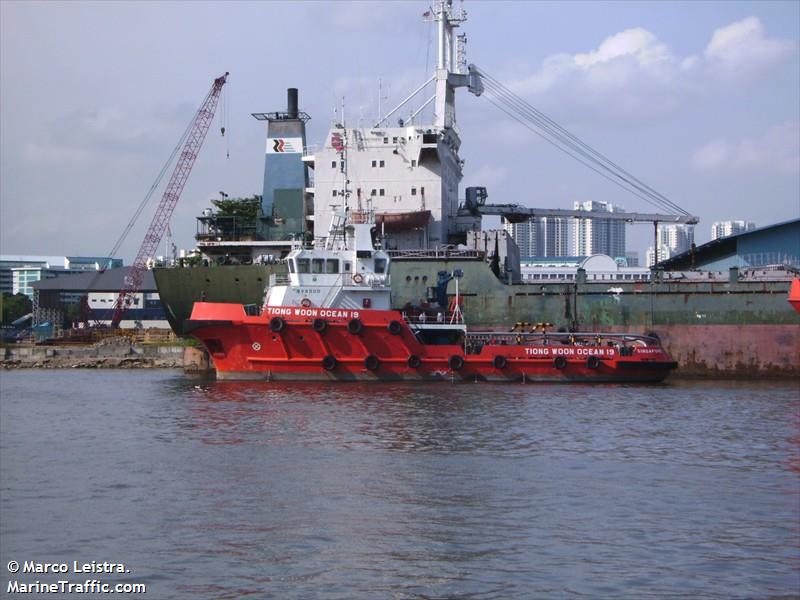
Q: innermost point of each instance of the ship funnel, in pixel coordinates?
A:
(291, 109)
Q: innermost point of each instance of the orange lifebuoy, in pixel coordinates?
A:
(305, 302)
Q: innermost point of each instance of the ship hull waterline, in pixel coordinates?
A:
(385, 348)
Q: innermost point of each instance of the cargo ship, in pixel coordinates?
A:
(331, 319)
(720, 310)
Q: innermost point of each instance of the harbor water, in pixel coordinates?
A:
(205, 489)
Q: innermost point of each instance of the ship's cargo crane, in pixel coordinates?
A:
(191, 147)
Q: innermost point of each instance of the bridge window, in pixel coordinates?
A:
(413, 191)
(381, 192)
(413, 162)
(382, 164)
(374, 163)
(380, 265)
(347, 266)
(317, 265)
(333, 164)
(302, 265)
(332, 266)
(373, 192)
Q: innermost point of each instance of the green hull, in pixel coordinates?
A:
(684, 314)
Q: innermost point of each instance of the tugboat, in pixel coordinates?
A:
(331, 319)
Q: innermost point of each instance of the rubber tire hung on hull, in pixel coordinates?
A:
(371, 362)
(414, 362)
(329, 363)
(559, 362)
(455, 362)
(277, 324)
(592, 362)
(355, 326)
(320, 325)
(500, 362)
(394, 327)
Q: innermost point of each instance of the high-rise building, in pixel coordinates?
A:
(598, 236)
(526, 236)
(672, 240)
(553, 236)
(720, 229)
(544, 236)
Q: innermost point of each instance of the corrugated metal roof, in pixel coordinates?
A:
(717, 248)
(111, 280)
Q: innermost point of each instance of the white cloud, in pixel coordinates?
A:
(777, 150)
(632, 74)
(637, 43)
(741, 48)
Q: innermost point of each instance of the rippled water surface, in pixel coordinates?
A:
(232, 490)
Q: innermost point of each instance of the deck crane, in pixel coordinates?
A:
(191, 147)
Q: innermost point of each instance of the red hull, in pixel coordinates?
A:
(794, 294)
(386, 348)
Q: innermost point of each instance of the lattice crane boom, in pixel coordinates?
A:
(191, 147)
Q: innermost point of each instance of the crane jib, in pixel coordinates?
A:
(194, 140)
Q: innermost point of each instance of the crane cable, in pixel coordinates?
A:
(149, 194)
(538, 122)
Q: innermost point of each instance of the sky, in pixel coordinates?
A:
(700, 100)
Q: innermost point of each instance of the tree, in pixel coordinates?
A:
(15, 306)
(236, 218)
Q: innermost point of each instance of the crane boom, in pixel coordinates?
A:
(194, 141)
(516, 213)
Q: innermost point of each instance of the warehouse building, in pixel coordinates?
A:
(776, 245)
(58, 301)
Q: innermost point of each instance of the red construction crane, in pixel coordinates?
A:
(194, 140)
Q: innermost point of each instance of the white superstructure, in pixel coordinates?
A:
(408, 173)
(346, 269)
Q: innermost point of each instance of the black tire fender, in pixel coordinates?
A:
(559, 362)
(455, 362)
(394, 327)
(277, 324)
(329, 363)
(371, 362)
(592, 362)
(320, 325)
(414, 362)
(500, 362)
(355, 326)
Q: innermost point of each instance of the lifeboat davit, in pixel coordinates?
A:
(402, 221)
